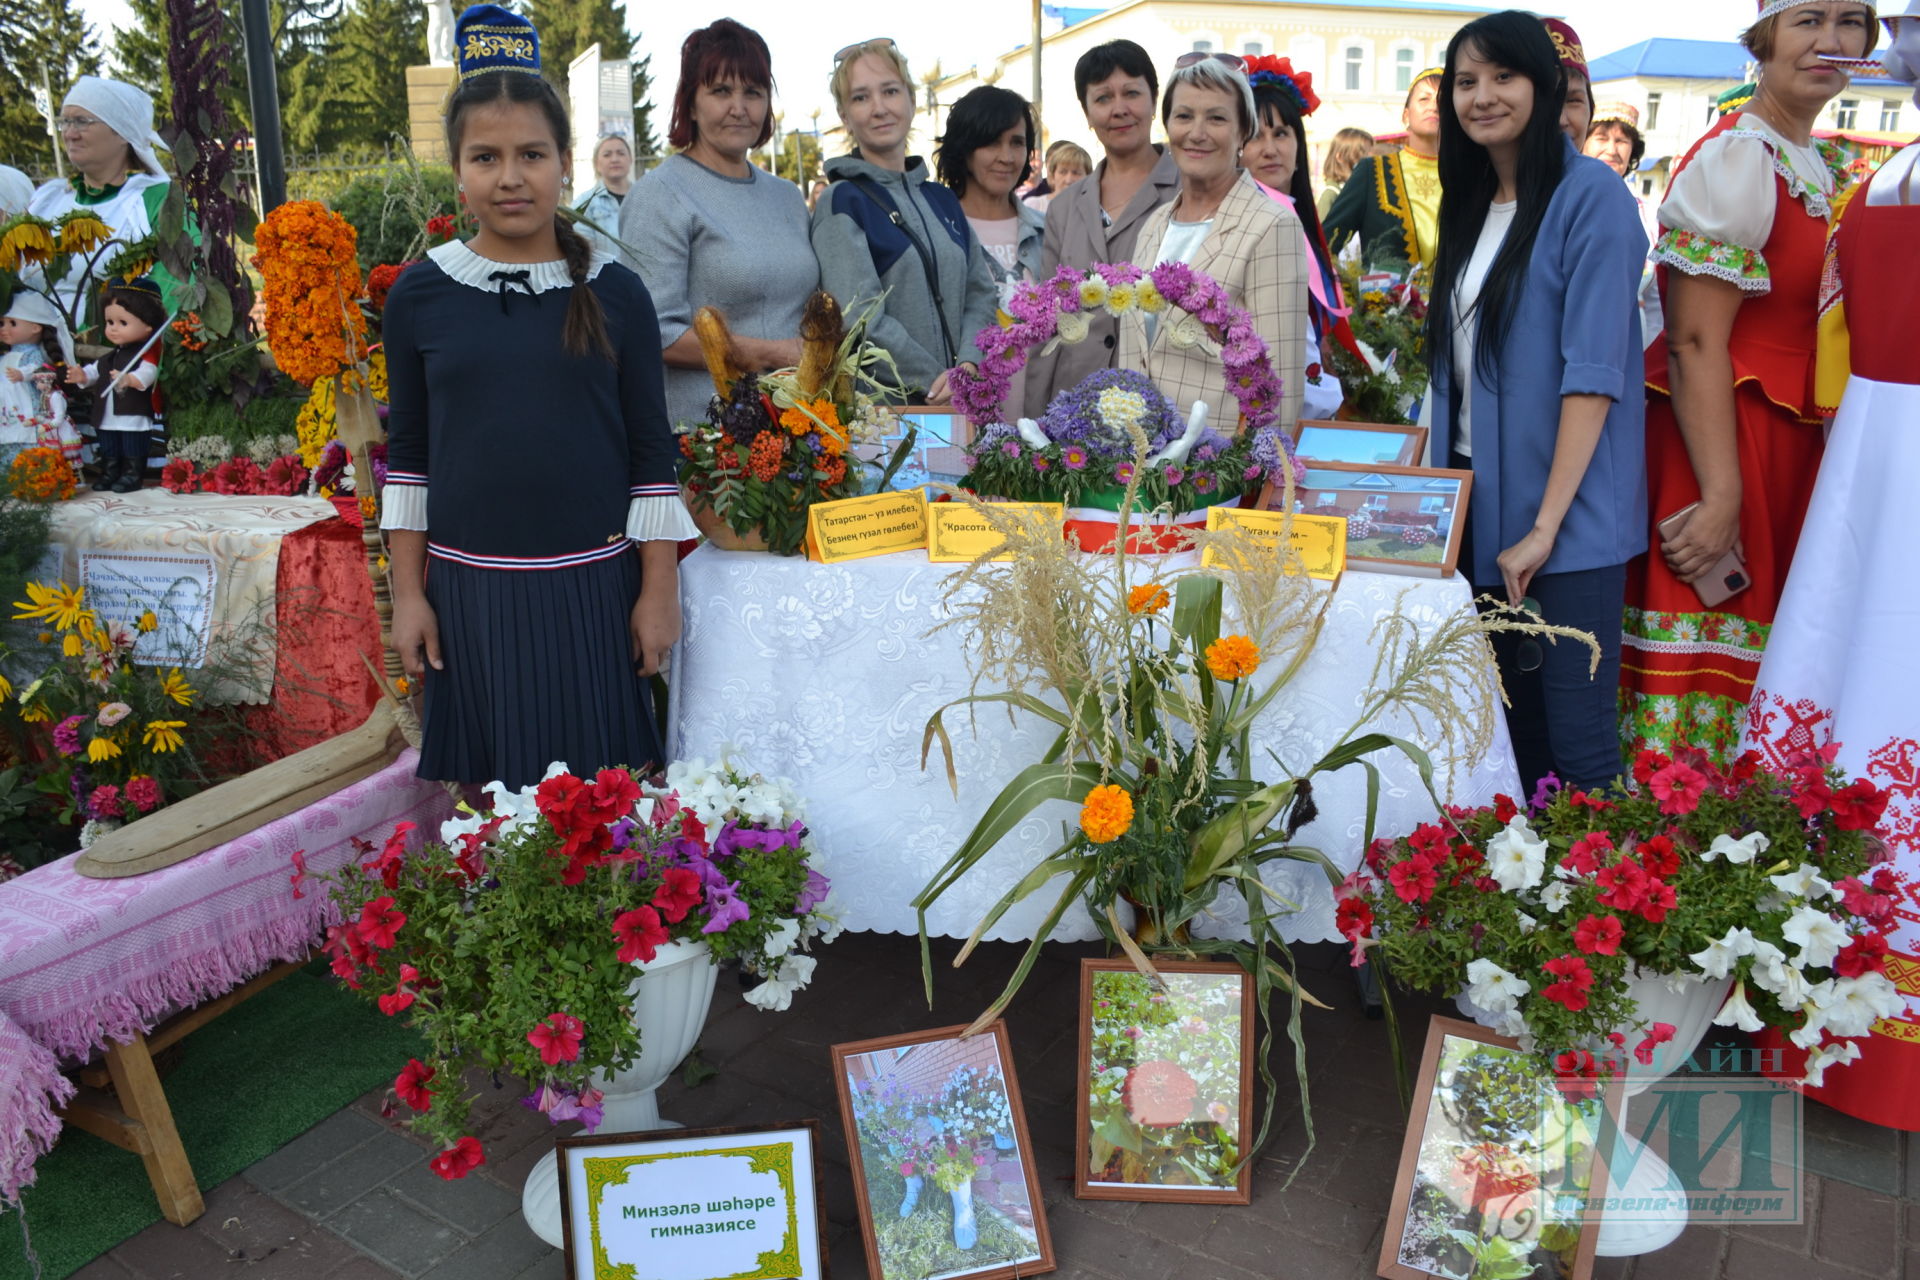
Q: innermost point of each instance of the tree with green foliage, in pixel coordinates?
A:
(568, 27)
(378, 40)
(41, 42)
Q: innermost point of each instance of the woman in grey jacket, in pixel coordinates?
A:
(882, 227)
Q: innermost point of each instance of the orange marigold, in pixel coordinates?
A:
(1232, 657)
(768, 451)
(314, 323)
(1151, 598)
(41, 475)
(799, 423)
(1107, 813)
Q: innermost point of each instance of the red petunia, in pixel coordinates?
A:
(1589, 853)
(1353, 917)
(1864, 902)
(1599, 935)
(1429, 838)
(613, 795)
(299, 871)
(1658, 857)
(457, 1161)
(1867, 953)
(412, 1084)
(1504, 809)
(1646, 764)
(1678, 788)
(1574, 1071)
(1413, 880)
(378, 923)
(1623, 886)
(1468, 857)
(1576, 979)
(557, 1037)
(1858, 806)
(395, 1003)
(640, 934)
(1659, 900)
(1811, 793)
(392, 856)
(679, 893)
(1658, 1034)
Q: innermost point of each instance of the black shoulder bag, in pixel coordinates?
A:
(884, 202)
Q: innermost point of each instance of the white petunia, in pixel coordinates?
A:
(1492, 987)
(1818, 935)
(467, 824)
(1738, 1012)
(1717, 960)
(775, 993)
(1857, 1003)
(1516, 857)
(1556, 896)
(1773, 972)
(1828, 1055)
(1805, 882)
(1743, 850)
(781, 940)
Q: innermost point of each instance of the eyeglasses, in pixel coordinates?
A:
(863, 46)
(1527, 655)
(75, 124)
(1198, 56)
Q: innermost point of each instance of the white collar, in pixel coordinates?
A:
(469, 268)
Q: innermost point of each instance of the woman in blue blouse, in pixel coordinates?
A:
(1535, 348)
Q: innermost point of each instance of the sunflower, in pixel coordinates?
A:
(81, 231)
(24, 241)
(161, 735)
(59, 604)
(175, 686)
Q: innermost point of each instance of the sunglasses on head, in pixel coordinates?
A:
(863, 46)
(1186, 60)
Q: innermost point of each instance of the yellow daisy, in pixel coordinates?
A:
(161, 736)
(175, 686)
(147, 622)
(59, 604)
(103, 749)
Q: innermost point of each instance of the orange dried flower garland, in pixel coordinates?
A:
(306, 254)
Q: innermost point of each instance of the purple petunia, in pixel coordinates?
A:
(812, 893)
(724, 907)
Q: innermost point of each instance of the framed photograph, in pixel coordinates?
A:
(1496, 1166)
(1367, 444)
(942, 1167)
(693, 1204)
(1166, 1083)
(939, 451)
(1399, 519)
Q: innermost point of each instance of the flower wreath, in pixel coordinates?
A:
(1046, 315)
(1279, 73)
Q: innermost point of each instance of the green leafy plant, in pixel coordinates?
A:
(1389, 322)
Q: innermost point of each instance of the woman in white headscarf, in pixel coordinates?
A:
(107, 130)
(16, 191)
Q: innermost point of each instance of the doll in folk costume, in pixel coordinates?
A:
(126, 403)
(33, 410)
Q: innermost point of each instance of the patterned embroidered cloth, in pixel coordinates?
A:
(827, 674)
(241, 533)
(87, 962)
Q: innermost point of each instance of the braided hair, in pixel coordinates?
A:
(585, 333)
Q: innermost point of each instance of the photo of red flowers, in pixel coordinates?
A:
(1166, 1064)
(1496, 1164)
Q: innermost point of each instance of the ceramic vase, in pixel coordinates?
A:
(670, 999)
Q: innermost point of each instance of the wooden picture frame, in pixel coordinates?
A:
(892, 1089)
(1220, 996)
(1324, 440)
(1408, 498)
(1514, 1190)
(939, 455)
(738, 1233)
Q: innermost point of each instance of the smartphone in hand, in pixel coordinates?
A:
(1727, 578)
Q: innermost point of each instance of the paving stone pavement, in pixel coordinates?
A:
(352, 1198)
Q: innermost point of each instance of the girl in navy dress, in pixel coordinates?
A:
(530, 503)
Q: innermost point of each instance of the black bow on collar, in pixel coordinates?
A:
(513, 279)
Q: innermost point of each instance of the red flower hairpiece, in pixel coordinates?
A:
(1279, 72)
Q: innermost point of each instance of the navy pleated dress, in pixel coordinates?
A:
(534, 474)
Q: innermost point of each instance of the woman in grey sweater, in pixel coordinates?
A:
(707, 228)
(882, 227)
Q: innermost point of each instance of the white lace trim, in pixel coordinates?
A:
(404, 506)
(660, 519)
(467, 267)
(1680, 262)
(1818, 202)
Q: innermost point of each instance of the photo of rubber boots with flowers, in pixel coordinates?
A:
(1150, 672)
(519, 942)
(943, 1173)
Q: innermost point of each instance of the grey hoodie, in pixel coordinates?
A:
(863, 253)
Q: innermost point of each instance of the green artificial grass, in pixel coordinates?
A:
(247, 1083)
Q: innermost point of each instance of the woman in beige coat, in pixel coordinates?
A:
(1222, 224)
(1098, 218)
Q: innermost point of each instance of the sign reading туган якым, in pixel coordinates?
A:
(692, 1205)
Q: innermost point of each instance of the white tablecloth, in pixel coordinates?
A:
(827, 674)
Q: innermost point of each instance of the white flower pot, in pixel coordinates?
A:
(670, 1000)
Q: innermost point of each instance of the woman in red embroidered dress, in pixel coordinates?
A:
(1839, 670)
(1731, 419)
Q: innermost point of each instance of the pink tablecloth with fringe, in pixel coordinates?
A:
(84, 963)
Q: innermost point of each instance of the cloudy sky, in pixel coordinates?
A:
(957, 35)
